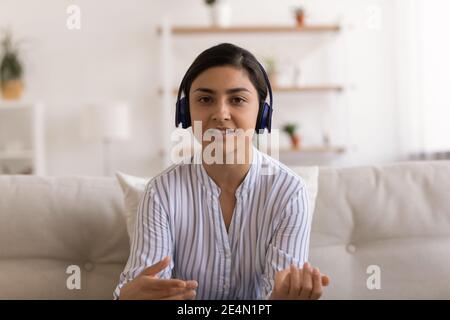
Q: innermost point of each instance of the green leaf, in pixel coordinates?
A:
(10, 65)
(290, 128)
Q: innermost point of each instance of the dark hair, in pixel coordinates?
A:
(226, 54)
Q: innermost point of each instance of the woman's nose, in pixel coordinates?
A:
(221, 111)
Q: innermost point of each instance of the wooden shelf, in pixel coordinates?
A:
(318, 151)
(179, 30)
(323, 31)
(314, 150)
(293, 89)
(309, 88)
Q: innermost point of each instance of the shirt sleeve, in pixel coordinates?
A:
(151, 242)
(290, 242)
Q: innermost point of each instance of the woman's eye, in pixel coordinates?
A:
(204, 99)
(237, 100)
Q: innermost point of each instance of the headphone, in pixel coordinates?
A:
(264, 119)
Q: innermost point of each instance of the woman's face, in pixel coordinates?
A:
(223, 98)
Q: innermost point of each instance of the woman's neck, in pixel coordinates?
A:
(228, 177)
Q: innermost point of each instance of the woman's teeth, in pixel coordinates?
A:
(227, 131)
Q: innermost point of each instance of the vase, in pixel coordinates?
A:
(221, 14)
(295, 139)
(12, 90)
(300, 17)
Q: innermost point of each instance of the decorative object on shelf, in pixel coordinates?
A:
(220, 12)
(11, 69)
(296, 79)
(300, 16)
(326, 139)
(265, 29)
(22, 137)
(288, 73)
(270, 66)
(108, 123)
(291, 130)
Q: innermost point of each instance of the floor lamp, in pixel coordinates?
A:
(107, 123)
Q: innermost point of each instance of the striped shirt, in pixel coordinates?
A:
(179, 215)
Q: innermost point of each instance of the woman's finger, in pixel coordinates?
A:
(285, 285)
(294, 287)
(325, 280)
(279, 278)
(190, 294)
(277, 282)
(169, 292)
(317, 285)
(156, 283)
(191, 284)
(307, 284)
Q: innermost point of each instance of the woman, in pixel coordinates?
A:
(231, 223)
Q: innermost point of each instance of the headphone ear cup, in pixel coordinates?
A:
(182, 113)
(264, 118)
(258, 118)
(269, 118)
(177, 114)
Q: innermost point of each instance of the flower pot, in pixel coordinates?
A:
(221, 14)
(12, 90)
(295, 140)
(300, 17)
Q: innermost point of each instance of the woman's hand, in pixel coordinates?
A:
(295, 283)
(147, 286)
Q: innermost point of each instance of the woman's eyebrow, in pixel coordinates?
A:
(235, 90)
(229, 91)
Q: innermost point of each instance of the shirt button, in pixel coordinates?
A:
(227, 254)
(226, 286)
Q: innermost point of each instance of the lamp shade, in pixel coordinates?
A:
(107, 122)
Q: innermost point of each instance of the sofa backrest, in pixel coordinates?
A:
(392, 218)
(53, 225)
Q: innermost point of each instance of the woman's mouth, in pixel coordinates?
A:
(226, 131)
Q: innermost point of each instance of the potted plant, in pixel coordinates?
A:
(300, 16)
(220, 12)
(11, 69)
(291, 130)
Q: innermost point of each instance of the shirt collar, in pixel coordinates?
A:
(211, 187)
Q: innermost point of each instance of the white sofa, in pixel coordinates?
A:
(396, 217)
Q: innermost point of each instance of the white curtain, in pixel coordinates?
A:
(423, 62)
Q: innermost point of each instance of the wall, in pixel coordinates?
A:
(116, 56)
